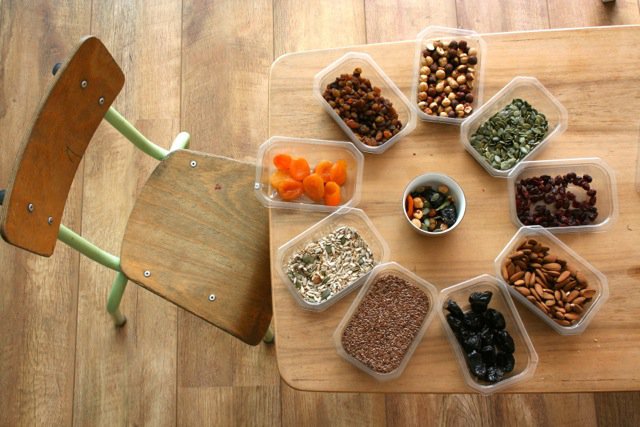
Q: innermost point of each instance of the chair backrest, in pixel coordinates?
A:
(71, 111)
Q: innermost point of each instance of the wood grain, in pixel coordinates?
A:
(64, 124)
(128, 376)
(38, 302)
(488, 233)
(581, 13)
(486, 16)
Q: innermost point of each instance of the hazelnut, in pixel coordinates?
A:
(473, 51)
(443, 114)
(461, 79)
(440, 74)
(423, 77)
(423, 86)
(425, 70)
(452, 83)
(446, 102)
(442, 61)
(440, 87)
(428, 60)
(447, 89)
(464, 59)
(421, 96)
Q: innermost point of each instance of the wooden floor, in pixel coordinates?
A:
(203, 66)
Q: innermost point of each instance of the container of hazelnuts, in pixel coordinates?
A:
(448, 74)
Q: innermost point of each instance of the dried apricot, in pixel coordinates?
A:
(290, 189)
(314, 187)
(299, 169)
(277, 177)
(338, 172)
(323, 169)
(282, 161)
(331, 194)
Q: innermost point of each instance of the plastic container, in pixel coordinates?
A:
(314, 150)
(379, 271)
(596, 279)
(525, 355)
(603, 182)
(370, 70)
(434, 33)
(530, 90)
(435, 179)
(355, 218)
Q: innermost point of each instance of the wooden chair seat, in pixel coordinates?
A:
(198, 237)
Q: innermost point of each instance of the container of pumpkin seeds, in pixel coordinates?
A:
(513, 126)
(331, 258)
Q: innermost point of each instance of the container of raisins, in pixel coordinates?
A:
(525, 358)
(563, 195)
(387, 321)
(497, 163)
(362, 128)
(425, 46)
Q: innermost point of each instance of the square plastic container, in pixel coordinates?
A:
(355, 218)
(529, 89)
(525, 355)
(603, 182)
(596, 279)
(370, 70)
(314, 150)
(446, 34)
(390, 268)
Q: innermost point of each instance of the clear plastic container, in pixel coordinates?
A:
(525, 355)
(355, 218)
(370, 70)
(603, 182)
(596, 279)
(446, 34)
(381, 270)
(314, 150)
(530, 90)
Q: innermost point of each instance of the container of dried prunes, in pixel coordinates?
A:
(487, 335)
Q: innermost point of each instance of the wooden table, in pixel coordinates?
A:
(595, 74)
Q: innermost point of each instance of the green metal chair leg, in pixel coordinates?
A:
(181, 142)
(269, 337)
(115, 296)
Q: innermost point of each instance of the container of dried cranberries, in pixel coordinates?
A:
(386, 322)
(563, 195)
(364, 102)
(448, 74)
(493, 348)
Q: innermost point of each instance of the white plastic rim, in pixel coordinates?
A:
(499, 101)
(330, 70)
(435, 32)
(607, 192)
(598, 281)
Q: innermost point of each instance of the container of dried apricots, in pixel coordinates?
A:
(308, 174)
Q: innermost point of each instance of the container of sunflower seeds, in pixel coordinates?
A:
(331, 259)
(513, 126)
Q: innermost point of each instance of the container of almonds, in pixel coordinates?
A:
(386, 322)
(364, 102)
(563, 195)
(330, 259)
(552, 280)
(448, 74)
(490, 342)
(513, 126)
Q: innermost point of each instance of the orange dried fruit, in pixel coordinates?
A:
(277, 177)
(323, 168)
(282, 161)
(314, 187)
(290, 189)
(338, 172)
(299, 169)
(331, 194)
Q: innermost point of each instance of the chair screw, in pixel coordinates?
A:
(30, 207)
(147, 273)
(212, 297)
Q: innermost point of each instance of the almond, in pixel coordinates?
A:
(588, 293)
(563, 276)
(524, 291)
(552, 266)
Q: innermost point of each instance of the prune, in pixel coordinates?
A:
(455, 324)
(479, 301)
(487, 336)
(488, 354)
(473, 321)
(455, 309)
(473, 342)
(494, 374)
(449, 215)
(505, 361)
(478, 368)
(494, 319)
(504, 341)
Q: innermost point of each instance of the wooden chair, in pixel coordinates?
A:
(184, 239)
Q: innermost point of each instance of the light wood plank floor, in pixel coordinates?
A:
(202, 66)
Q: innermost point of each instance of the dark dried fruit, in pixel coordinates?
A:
(494, 374)
(479, 301)
(505, 361)
(473, 321)
(478, 368)
(455, 324)
(488, 354)
(455, 309)
(473, 342)
(504, 341)
(494, 319)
